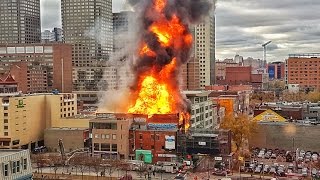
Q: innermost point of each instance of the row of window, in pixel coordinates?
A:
(15, 167)
(106, 136)
(105, 147)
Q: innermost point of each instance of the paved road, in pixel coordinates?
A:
(135, 175)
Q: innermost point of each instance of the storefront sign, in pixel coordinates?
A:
(153, 126)
(167, 155)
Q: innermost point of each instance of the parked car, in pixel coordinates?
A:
(302, 153)
(291, 166)
(273, 156)
(272, 169)
(280, 171)
(314, 172)
(257, 170)
(304, 172)
(266, 168)
(314, 157)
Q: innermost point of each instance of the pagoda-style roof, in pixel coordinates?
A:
(7, 79)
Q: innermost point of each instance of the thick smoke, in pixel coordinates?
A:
(189, 12)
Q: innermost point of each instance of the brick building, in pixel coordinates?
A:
(38, 67)
(191, 75)
(221, 68)
(157, 134)
(303, 69)
(243, 75)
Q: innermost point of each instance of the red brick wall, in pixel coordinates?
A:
(62, 74)
(238, 75)
(18, 71)
(151, 140)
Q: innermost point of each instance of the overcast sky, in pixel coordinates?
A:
(242, 26)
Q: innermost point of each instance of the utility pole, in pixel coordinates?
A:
(265, 50)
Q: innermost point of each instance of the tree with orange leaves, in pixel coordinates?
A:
(240, 126)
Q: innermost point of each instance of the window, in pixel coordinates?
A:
(157, 137)
(140, 136)
(5, 127)
(96, 136)
(96, 147)
(14, 166)
(152, 146)
(24, 164)
(6, 170)
(18, 166)
(114, 147)
(107, 136)
(105, 147)
(114, 136)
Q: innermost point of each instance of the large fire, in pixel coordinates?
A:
(164, 46)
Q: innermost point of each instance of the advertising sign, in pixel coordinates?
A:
(271, 72)
(20, 104)
(154, 126)
(202, 143)
(170, 142)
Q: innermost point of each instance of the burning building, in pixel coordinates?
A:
(163, 47)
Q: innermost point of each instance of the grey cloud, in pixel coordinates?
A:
(243, 25)
(51, 16)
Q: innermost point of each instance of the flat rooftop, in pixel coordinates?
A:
(67, 129)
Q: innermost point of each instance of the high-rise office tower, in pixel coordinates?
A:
(87, 25)
(204, 49)
(20, 21)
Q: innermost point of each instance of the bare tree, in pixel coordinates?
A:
(55, 162)
(40, 160)
(110, 166)
(80, 162)
(95, 163)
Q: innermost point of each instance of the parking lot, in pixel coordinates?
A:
(283, 163)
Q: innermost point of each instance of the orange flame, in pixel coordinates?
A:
(156, 92)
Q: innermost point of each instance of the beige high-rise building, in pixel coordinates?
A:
(204, 50)
(20, 21)
(87, 25)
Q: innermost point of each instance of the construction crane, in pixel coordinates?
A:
(265, 50)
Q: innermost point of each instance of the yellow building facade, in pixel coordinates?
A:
(23, 118)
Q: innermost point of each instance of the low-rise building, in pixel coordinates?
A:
(157, 136)
(110, 135)
(15, 164)
(200, 141)
(72, 138)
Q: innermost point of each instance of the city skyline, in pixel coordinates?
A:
(289, 27)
